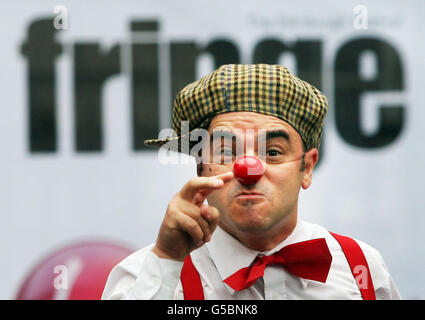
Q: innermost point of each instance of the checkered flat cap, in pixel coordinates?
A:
(266, 89)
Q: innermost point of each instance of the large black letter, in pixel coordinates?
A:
(349, 86)
(41, 51)
(185, 54)
(91, 69)
(145, 83)
(183, 65)
(308, 56)
(223, 52)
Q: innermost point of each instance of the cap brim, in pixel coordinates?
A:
(172, 144)
(176, 143)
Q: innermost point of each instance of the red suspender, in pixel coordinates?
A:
(191, 281)
(355, 258)
(193, 290)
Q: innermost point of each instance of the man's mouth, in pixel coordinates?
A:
(249, 195)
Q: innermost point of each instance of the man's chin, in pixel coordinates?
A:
(250, 230)
(252, 221)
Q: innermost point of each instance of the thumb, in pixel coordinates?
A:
(211, 215)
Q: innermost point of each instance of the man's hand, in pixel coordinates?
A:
(189, 223)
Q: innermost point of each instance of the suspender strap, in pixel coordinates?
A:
(358, 265)
(193, 290)
(191, 281)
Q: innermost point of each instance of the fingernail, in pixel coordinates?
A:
(217, 182)
(205, 210)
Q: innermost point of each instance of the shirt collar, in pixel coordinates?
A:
(230, 255)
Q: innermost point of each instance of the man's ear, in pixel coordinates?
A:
(310, 160)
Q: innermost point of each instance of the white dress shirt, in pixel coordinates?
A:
(143, 275)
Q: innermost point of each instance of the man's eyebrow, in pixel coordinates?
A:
(279, 133)
(270, 134)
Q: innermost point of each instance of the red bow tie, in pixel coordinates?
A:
(308, 259)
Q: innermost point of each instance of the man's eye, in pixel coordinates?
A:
(273, 153)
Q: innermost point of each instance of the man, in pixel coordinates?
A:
(247, 241)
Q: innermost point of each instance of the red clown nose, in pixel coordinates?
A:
(248, 170)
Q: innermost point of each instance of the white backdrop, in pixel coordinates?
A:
(49, 199)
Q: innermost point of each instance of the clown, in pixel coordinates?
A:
(233, 231)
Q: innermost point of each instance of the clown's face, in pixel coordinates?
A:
(272, 212)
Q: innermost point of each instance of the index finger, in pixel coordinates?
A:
(194, 185)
